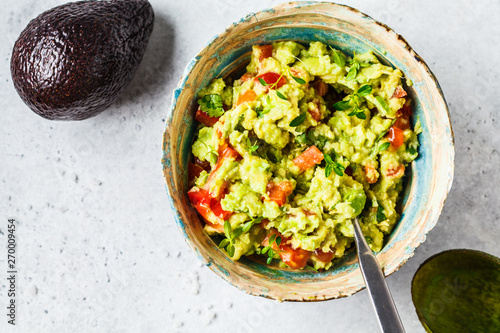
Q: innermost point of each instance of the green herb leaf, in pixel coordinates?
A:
(380, 214)
(353, 72)
(338, 170)
(412, 151)
(383, 103)
(237, 232)
(384, 146)
(261, 80)
(251, 148)
(230, 250)
(280, 95)
(271, 239)
(328, 170)
(278, 240)
(247, 226)
(342, 105)
(298, 79)
(298, 120)
(364, 64)
(212, 105)
(361, 115)
(385, 132)
(338, 58)
(264, 250)
(224, 243)
(353, 112)
(269, 260)
(227, 229)
(312, 268)
(364, 90)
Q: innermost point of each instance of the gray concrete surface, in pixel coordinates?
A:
(98, 250)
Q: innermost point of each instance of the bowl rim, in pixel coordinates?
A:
(180, 86)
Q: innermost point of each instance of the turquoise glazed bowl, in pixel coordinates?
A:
(348, 29)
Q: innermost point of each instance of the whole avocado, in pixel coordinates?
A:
(73, 61)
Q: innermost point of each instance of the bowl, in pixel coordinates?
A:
(349, 30)
(458, 291)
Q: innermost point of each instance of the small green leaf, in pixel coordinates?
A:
(230, 250)
(353, 112)
(412, 151)
(383, 103)
(248, 226)
(264, 250)
(278, 240)
(385, 132)
(328, 170)
(269, 260)
(261, 80)
(364, 90)
(338, 170)
(364, 64)
(298, 79)
(298, 120)
(338, 58)
(384, 146)
(224, 243)
(380, 214)
(361, 115)
(280, 95)
(271, 239)
(342, 105)
(212, 105)
(312, 268)
(227, 229)
(353, 72)
(237, 232)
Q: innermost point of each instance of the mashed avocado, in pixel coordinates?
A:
(289, 153)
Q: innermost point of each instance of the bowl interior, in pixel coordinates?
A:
(348, 30)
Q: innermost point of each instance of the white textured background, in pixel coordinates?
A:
(98, 250)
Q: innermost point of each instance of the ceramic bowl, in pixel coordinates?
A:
(347, 29)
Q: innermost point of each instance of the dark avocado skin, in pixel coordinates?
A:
(73, 61)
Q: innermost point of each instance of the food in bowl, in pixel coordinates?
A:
(290, 152)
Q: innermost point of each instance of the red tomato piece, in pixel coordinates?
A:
(271, 79)
(204, 118)
(279, 192)
(320, 87)
(266, 51)
(323, 256)
(202, 203)
(395, 136)
(395, 172)
(216, 207)
(399, 92)
(308, 158)
(314, 112)
(295, 258)
(247, 96)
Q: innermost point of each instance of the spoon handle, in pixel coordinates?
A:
(382, 301)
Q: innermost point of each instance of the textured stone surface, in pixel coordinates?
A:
(98, 250)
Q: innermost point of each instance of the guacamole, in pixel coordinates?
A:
(287, 154)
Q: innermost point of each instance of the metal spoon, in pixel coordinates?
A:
(382, 301)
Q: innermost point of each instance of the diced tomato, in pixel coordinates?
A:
(216, 207)
(245, 77)
(270, 78)
(202, 202)
(371, 174)
(396, 136)
(295, 258)
(314, 112)
(395, 171)
(266, 51)
(225, 152)
(399, 92)
(403, 118)
(247, 96)
(323, 256)
(279, 192)
(204, 118)
(308, 158)
(205, 165)
(194, 171)
(320, 87)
